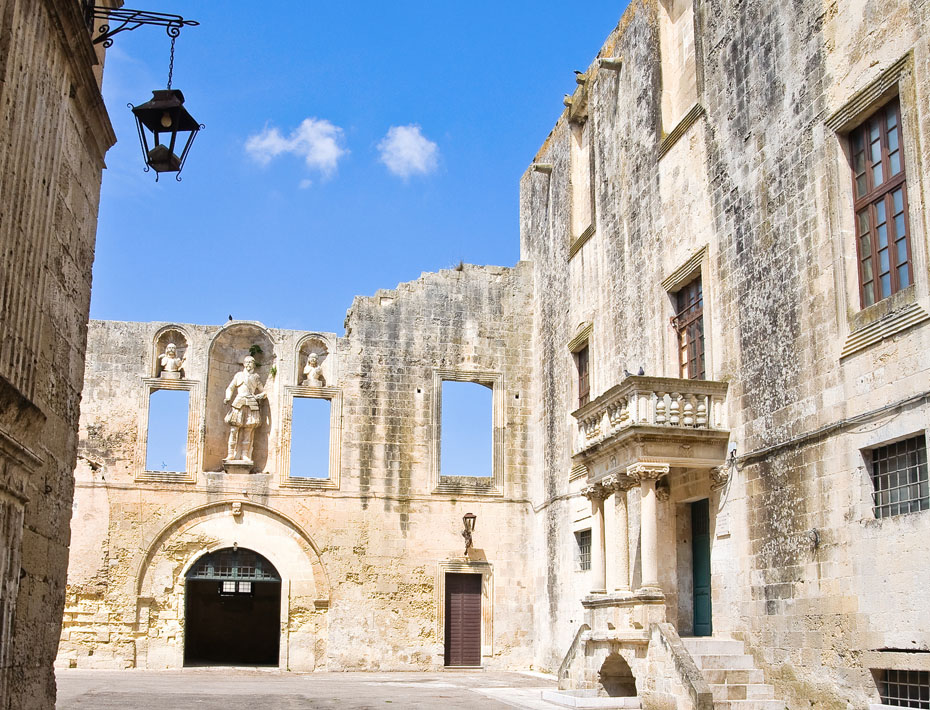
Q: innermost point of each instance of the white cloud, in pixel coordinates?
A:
(316, 140)
(406, 151)
(305, 183)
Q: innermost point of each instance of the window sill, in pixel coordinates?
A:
(165, 477)
(318, 483)
(468, 485)
(884, 319)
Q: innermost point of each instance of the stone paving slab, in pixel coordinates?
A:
(271, 689)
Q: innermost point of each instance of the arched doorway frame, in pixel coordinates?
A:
(304, 582)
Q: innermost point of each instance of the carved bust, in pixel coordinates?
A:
(314, 372)
(170, 363)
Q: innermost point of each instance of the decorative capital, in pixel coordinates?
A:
(719, 476)
(595, 492)
(618, 483)
(663, 492)
(643, 471)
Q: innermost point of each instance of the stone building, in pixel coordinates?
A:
(709, 385)
(55, 134)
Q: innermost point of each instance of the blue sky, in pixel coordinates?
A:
(348, 147)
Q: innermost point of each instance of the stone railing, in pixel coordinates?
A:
(639, 401)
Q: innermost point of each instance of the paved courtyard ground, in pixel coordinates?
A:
(257, 689)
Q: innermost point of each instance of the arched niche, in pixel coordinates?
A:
(172, 555)
(319, 346)
(169, 335)
(616, 678)
(228, 350)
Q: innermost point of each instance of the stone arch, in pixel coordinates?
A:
(319, 344)
(161, 574)
(616, 677)
(169, 334)
(229, 347)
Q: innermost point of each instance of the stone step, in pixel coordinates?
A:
(739, 677)
(749, 705)
(724, 662)
(742, 691)
(712, 645)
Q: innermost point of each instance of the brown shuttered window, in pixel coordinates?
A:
(689, 322)
(880, 202)
(584, 388)
(463, 620)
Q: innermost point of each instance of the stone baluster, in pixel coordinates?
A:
(647, 474)
(660, 408)
(700, 419)
(674, 409)
(596, 494)
(687, 418)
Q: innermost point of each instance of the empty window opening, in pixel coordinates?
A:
(467, 429)
(899, 477)
(583, 542)
(166, 441)
(904, 689)
(310, 437)
(689, 324)
(232, 610)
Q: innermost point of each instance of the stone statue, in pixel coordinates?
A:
(244, 394)
(314, 372)
(171, 364)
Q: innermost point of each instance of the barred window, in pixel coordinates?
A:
(880, 204)
(904, 689)
(583, 540)
(899, 477)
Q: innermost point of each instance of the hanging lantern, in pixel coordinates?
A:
(164, 117)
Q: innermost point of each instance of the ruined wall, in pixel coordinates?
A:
(362, 555)
(55, 135)
(755, 185)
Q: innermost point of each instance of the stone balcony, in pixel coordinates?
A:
(680, 422)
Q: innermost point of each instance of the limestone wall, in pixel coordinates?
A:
(754, 188)
(52, 147)
(363, 554)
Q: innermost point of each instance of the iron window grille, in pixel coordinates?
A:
(899, 477)
(689, 324)
(583, 540)
(905, 689)
(880, 204)
(234, 565)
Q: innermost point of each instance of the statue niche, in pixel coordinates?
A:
(314, 368)
(241, 398)
(170, 354)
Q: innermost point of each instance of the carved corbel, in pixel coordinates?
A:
(662, 490)
(719, 476)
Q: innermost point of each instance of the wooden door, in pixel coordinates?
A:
(463, 619)
(700, 561)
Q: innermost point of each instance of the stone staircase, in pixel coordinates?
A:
(732, 675)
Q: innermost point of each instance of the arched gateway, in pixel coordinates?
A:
(232, 610)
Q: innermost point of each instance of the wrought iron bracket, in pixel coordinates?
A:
(130, 20)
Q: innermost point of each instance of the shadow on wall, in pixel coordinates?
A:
(227, 353)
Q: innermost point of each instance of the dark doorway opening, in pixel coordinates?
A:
(232, 610)
(463, 619)
(700, 562)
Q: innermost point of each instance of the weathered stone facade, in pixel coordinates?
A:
(708, 139)
(55, 134)
(362, 552)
